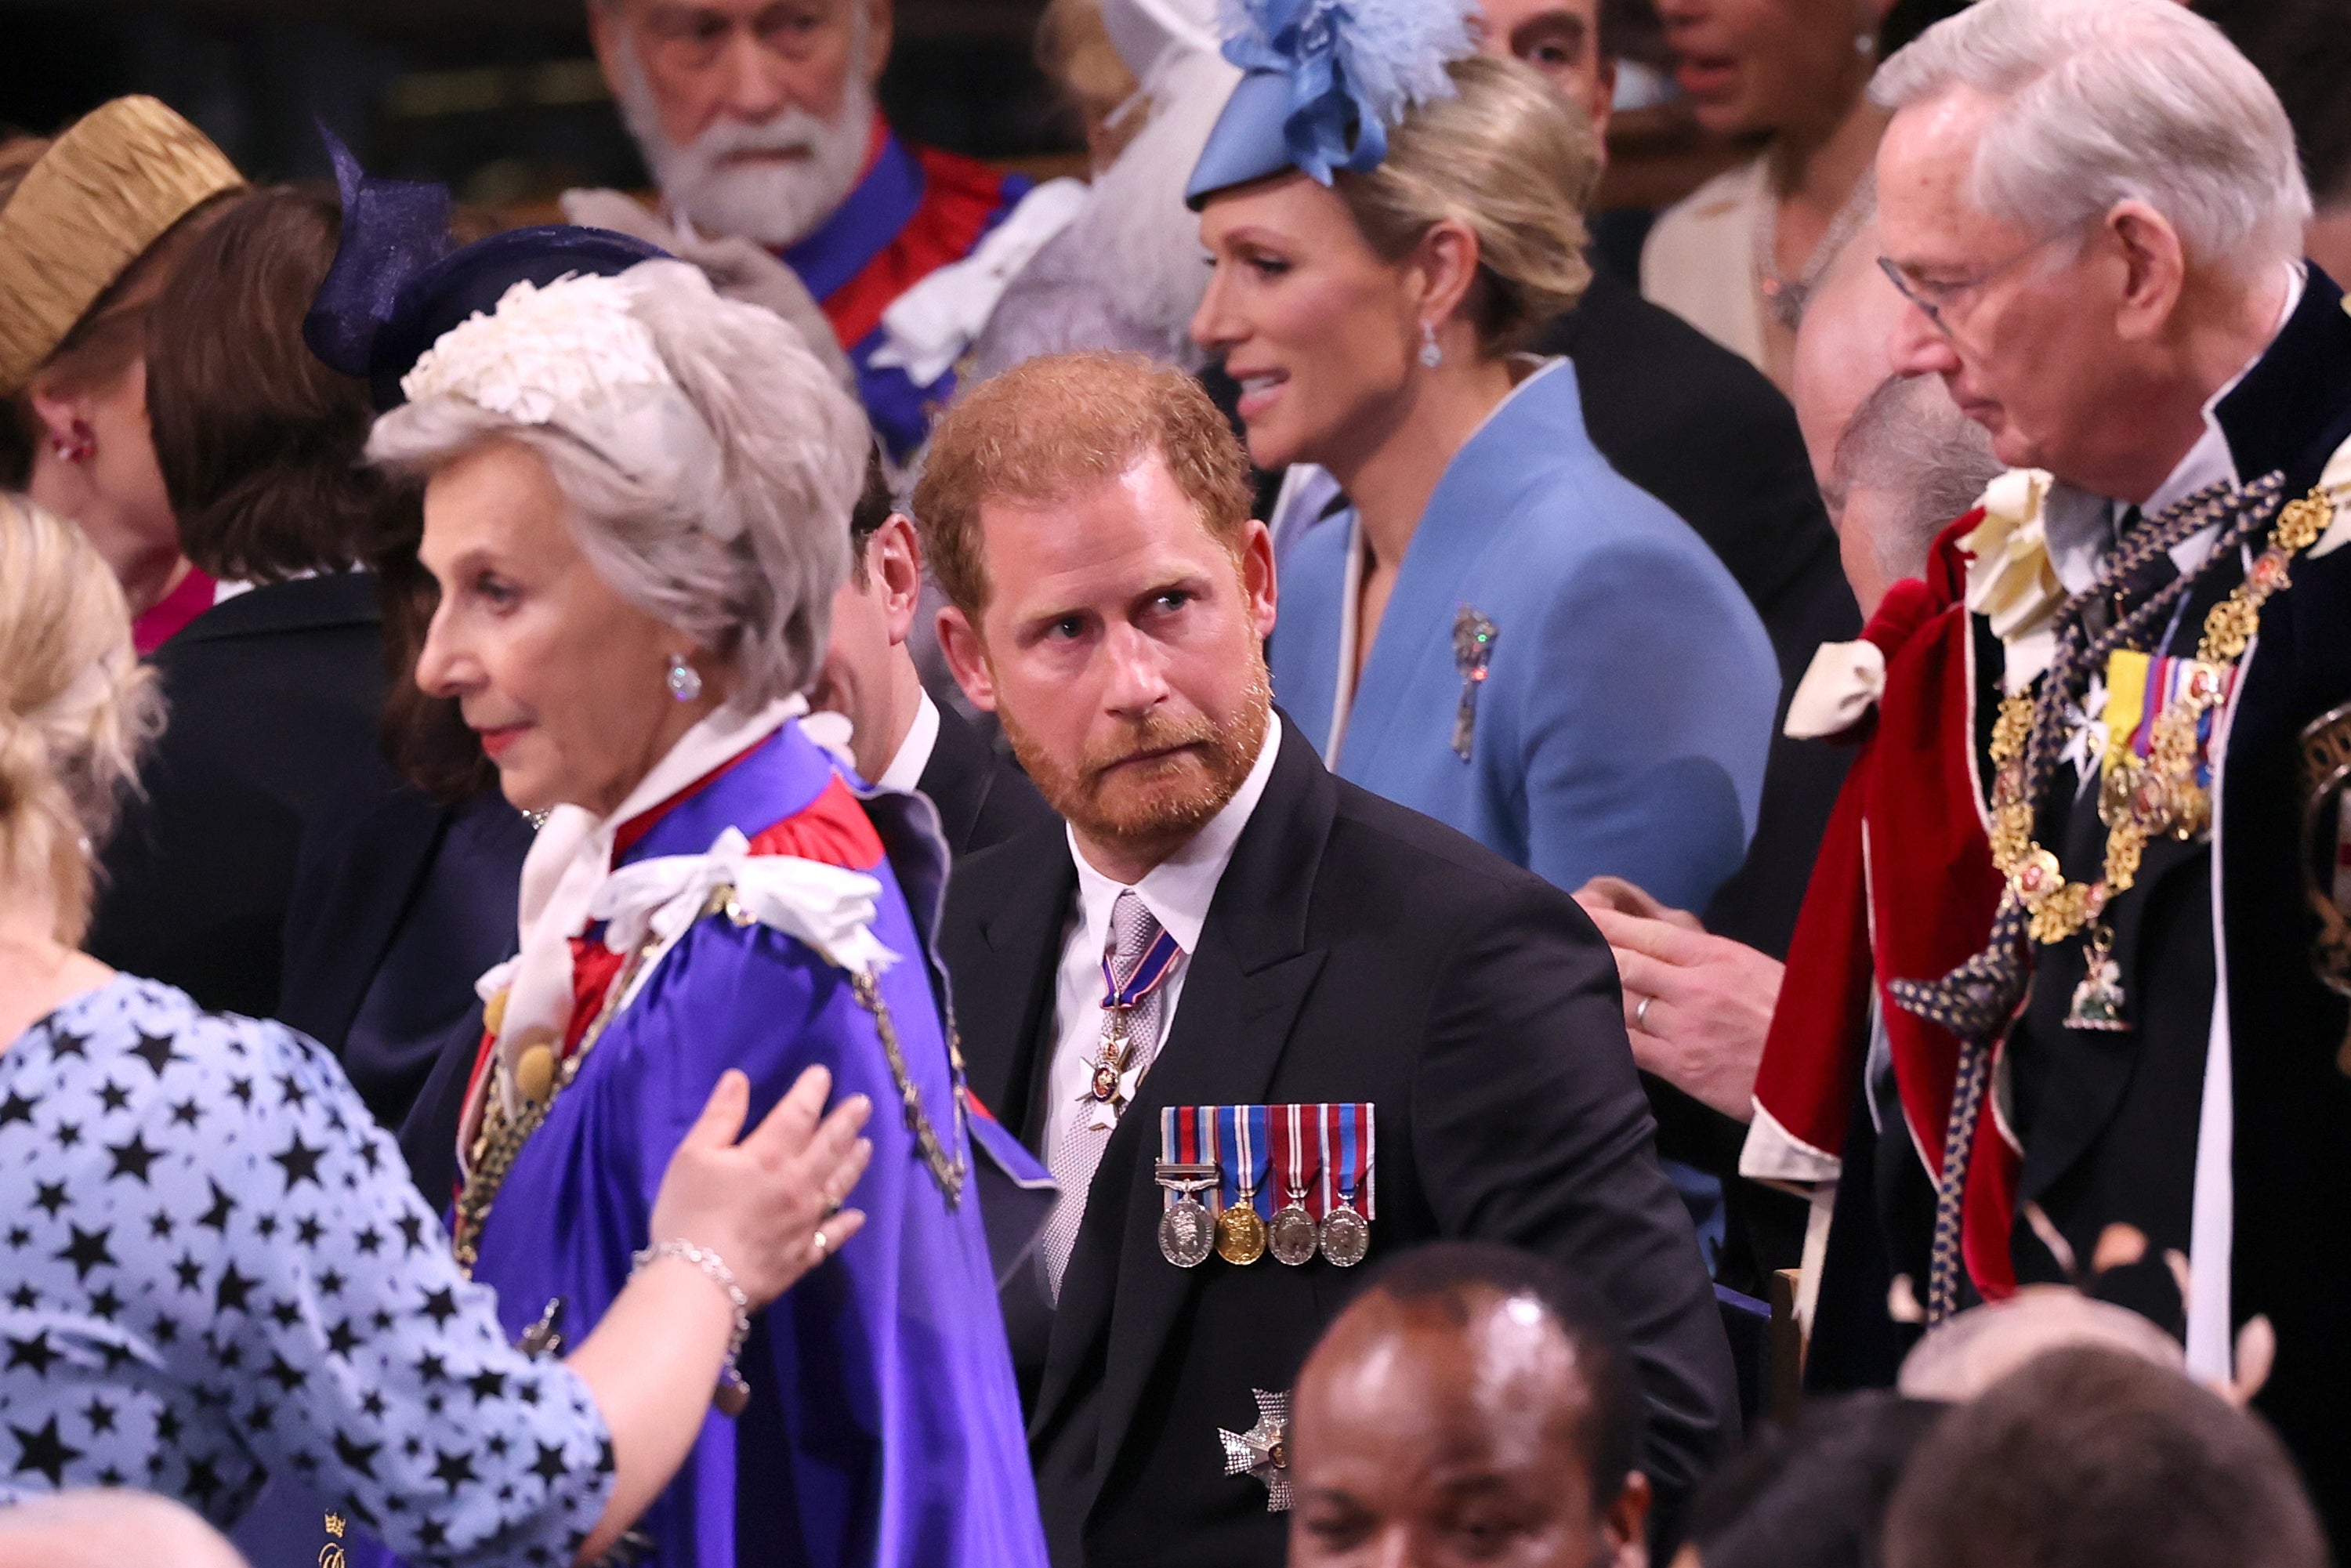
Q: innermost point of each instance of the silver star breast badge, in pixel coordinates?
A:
(1263, 1450)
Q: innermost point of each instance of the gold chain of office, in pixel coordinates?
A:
(502, 1136)
(2138, 800)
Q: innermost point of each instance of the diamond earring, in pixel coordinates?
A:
(684, 681)
(1430, 354)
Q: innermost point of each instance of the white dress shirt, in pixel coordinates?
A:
(906, 769)
(1177, 891)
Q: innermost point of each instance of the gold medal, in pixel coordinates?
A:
(1292, 1238)
(1240, 1234)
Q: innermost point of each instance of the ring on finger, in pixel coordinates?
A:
(822, 1245)
(1641, 1013)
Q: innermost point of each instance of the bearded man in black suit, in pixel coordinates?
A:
(1224, 942)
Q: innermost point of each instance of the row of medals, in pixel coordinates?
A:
(1239, 1235)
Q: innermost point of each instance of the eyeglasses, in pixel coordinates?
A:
(1935, 299)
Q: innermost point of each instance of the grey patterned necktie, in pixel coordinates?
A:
(1133, 929)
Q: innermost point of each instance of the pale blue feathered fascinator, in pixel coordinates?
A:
(1326, 81)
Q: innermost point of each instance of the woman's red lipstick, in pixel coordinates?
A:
(494, 741)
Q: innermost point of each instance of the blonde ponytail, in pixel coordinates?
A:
(76, 709)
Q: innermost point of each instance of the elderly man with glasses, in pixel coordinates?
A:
(2077, 952)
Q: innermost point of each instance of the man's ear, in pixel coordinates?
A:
(1258, 579)
(968, 657)
(1626, 1526)
(893, 563)
(880, 30)
(2155, 270)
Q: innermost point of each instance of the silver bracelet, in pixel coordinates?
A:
(732, 1388)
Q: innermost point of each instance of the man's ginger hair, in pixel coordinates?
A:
(1050, 426)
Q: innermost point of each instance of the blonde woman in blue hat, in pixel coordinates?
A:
(1500, 631)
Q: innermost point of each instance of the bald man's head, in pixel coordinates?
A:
(1474, 1405)
(1893, 455)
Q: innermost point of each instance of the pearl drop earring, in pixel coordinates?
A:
(684, 681)
(1430, 354)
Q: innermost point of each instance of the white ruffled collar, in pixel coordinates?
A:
(568, 883)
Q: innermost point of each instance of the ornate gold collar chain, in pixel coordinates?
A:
(2138, 801)
(501, 1137)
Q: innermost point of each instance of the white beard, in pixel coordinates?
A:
(774, 203)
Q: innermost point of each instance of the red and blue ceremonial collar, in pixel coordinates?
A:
(914, 211)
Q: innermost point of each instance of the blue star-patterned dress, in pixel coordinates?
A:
(214, 1265)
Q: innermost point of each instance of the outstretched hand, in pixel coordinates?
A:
(768, 1204)
(1697, 1006)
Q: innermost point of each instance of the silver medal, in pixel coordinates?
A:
(1188, 1232)
(1346, 1235)
(1293, 1236)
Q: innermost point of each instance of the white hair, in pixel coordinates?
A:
(743, 553)
(2110, 100)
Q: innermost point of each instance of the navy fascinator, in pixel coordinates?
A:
(398, 282)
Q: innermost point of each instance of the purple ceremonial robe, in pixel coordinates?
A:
(884, 1427)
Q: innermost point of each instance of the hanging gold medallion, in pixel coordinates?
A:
(2098, 1000)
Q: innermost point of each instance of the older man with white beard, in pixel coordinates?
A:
(758, 121)
(2080, 958)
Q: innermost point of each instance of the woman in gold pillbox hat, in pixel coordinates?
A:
(91, 225)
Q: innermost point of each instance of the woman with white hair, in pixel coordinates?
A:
(217, 1265)
(636, 500)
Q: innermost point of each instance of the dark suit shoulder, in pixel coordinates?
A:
(1376, 842)
(982, 798)
(981, 879)
(1703, 431)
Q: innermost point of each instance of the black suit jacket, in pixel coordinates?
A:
(272, 695)
(398, 902)
(983, 799)
(1354, 951)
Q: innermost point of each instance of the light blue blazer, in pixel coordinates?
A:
(1627, 703)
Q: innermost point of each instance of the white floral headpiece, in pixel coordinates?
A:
(571, 341)
(574, 355)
